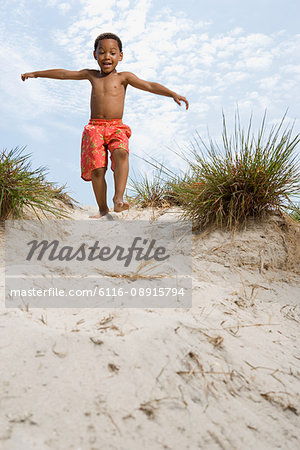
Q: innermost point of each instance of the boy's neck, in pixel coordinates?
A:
(103, 74)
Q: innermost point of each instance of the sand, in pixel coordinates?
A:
(224, 374)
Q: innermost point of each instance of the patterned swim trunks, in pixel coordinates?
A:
(99, 136)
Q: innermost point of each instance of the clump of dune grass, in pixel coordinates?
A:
(149, 191)
(22, 188)
(245, 177)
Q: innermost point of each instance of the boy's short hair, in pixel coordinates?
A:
(108, 36)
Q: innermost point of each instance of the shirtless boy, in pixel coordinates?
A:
(105, 130)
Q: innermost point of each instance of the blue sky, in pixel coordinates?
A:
(219, 54)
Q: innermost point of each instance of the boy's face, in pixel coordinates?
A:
(108, 55)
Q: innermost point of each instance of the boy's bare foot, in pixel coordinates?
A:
(120, 206)
(101, 213)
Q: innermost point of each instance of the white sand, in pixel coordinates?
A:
(224, 374)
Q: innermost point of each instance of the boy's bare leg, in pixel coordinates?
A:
(100, 188)
(120, 177)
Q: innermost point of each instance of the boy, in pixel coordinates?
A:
(106, 130)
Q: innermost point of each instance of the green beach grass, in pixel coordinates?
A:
(24, 189)
(149, 191)
(247, 175)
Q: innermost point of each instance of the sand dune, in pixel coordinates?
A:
(224, 374)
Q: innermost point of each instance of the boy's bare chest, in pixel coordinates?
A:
(108, 85)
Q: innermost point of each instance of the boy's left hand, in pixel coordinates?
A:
(178, 98)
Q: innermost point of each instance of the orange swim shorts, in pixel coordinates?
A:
(99, 136)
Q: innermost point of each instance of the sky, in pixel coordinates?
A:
(220, 54)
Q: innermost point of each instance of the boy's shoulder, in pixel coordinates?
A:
(126, 76)
(92, 72)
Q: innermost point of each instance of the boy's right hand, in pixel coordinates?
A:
(24, 76)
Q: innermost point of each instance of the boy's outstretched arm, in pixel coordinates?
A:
(59, 74)
(155, 88)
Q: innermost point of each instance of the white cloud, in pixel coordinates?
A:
(270, 83)
(260, 62)
(64, 7)
(123, 4)
(292, 69)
